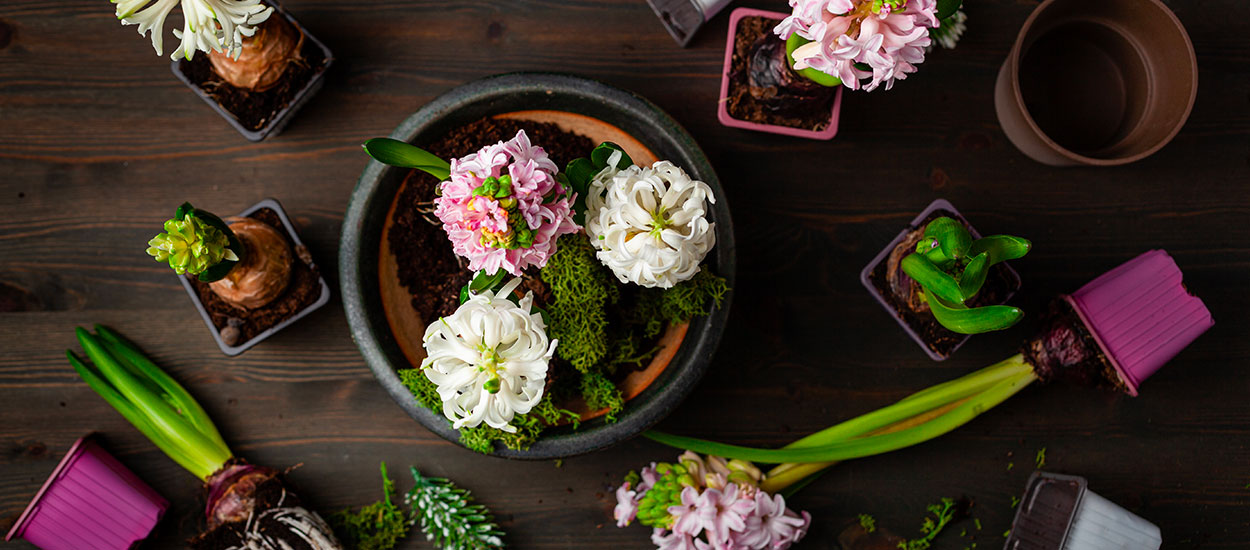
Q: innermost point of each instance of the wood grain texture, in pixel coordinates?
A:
(98, 143)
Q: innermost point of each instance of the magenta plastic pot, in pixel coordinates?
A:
(1141, 315)
(90, 502)
(1059, 512)
(722, 111)
(865, 276)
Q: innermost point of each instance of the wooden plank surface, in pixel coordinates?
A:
(98, 142)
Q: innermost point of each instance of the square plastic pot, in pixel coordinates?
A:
(1059, 512)
(283, 117)
(274, 205)
(864, 276)
(91, 501)
(722, 109)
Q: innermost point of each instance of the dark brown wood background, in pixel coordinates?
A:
(99, 142)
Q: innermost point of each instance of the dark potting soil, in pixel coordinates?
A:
(256, 109)
(303, 290)
(999, 284)
(742, 105)
(1066, 351)
(427, 266)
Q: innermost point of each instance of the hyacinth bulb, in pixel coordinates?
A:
(263, 57)
(265, 270)
(190, 246)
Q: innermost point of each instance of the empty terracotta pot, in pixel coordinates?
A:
(1096, 83)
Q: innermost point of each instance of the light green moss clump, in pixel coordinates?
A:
(581, 289)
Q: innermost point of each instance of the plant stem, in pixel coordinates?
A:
(865, 446)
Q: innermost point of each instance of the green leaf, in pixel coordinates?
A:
(932, 278)
(974, 275)
(220, 269)
(951, 235)
(604, 151)
(947, 8)
(1001, 247)
(579, 173)
(975, 320)
(484, 281)
(405, 155)
(809, 73)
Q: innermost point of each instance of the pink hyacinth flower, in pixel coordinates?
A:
(669, 540)
(626, 505)
(486, 229)
(723, 511)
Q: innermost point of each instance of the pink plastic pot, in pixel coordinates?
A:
(91, 501)
(722, 111)
(1141, 315)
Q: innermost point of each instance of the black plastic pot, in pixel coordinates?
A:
(367, 213)
(283, 117)
(324, 297)
(865, 277)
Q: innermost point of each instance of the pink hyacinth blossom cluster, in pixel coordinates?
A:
(503, 208)
(716, 508)
(889, 37)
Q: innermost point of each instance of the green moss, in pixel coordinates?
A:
(581, 289)
(378, 526)
(601, 393)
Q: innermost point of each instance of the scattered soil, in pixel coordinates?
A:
(254, 110)
(903, 297)
(427, 266)
(301, 292)
(810, 110)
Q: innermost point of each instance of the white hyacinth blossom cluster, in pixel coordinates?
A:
(650, 225)
(208, 25)
(489, 359)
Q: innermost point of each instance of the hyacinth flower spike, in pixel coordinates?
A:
(1114, 332)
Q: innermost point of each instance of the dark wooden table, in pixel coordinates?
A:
(98, 144)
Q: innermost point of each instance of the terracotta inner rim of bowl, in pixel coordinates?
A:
(409, 328)
(1166, 56)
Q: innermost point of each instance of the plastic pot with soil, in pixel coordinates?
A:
(249, 275)
(258, 64)
(887, 278)
(784, 73)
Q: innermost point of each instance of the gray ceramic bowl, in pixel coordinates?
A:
(370, 202)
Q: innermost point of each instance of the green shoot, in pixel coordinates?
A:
(951, 268)
(868, 522)
(404, 155)
(378, 526)
(581, 171)
(1040, 459)
(150, 400)
(449, 517)
(197, 242)
(943, 513)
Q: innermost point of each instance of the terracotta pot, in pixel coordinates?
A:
(722, 111)
(1096, 83)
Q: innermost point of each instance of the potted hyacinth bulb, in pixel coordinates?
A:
(257, 66)
(248, 275)
(784, 73)
(574, 275)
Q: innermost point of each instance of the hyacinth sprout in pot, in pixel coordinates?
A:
(1114, 332)
(257, 64)
(571, 278)
(249, 275)
(247, 506)
(783, 72)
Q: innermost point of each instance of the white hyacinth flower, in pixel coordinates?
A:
(649, 224)
(208, 25)
(489, 359)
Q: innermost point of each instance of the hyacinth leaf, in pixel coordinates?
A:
(604, 151)
(963, 320)
(951, 235)
(578, 175)
(809, 73)
(947, 8)
(405, 155)
(221, 269)
(1001, 247)
(974, 275)
(933, 252)
(932, 278)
